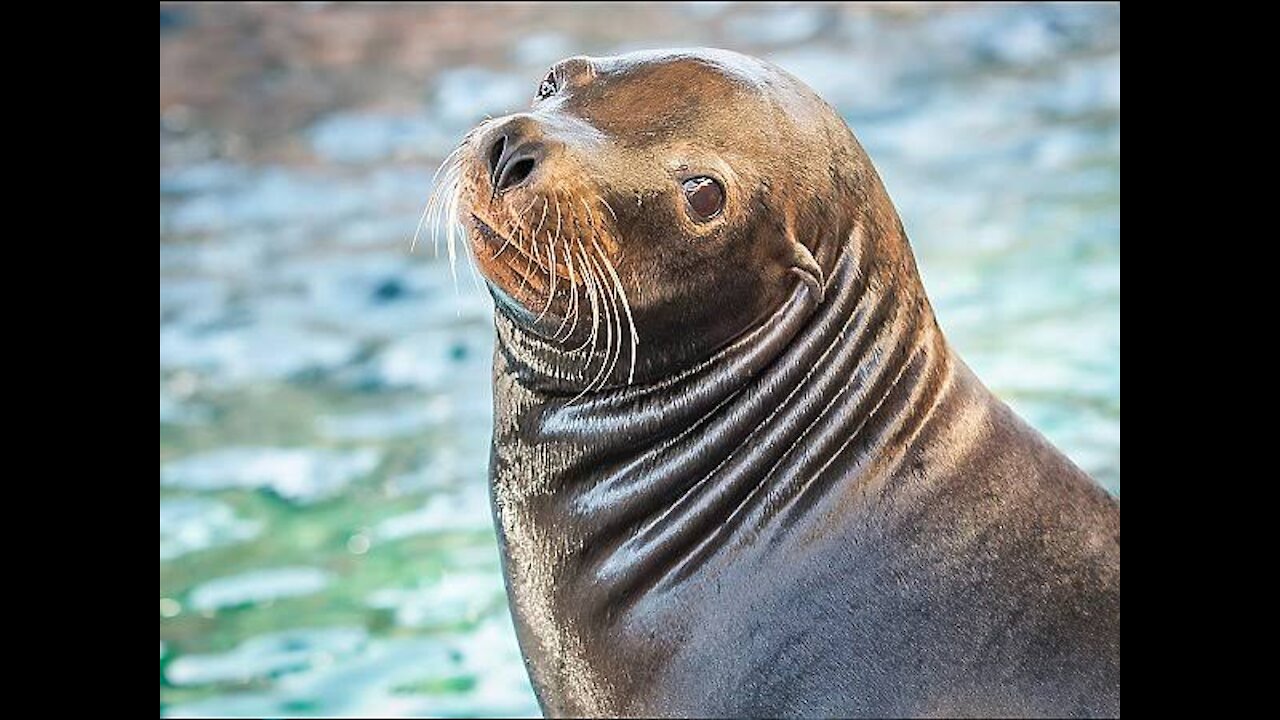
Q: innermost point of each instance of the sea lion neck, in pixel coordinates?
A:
(612, 500)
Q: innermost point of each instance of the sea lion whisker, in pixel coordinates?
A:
(557, 197)
(606, 295)
(426, 208)
(598, 308)
(594, 226)
(451, 166)
(621, 298)
(452, 156)
(573, 298)
(511, 230)
(551, 274)
(616, 289)
(510, 233)
(542, 219)
(514, 227)
(517, 221)
(440, 199)
(573, 285)
(608, 207)
(525, 211)
(615, 329)
(475, 272)
(471, 263)
(452, 220)
(591, 218)
(626, 306)
(598, 305)
(432, 212)
(612, 318)
(528, 266)
(506, 242)
(569, 305)
(448, 188)
(592, 296)
(574, 279)
(593, 284)
(568, 267)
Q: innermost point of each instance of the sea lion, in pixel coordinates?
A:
(736, 468)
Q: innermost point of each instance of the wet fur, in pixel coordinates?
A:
(797, 500)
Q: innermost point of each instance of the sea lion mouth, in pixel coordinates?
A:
(549, 256)
(494, 245)
(502, 243)
(491, 236)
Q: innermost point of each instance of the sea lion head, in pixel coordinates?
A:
(651, 207)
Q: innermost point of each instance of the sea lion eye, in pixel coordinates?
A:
(705, 196)
(547, 88)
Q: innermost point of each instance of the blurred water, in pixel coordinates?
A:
(325, 539)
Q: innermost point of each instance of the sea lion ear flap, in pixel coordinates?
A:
(805, 265)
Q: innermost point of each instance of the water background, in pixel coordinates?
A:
(326, 545)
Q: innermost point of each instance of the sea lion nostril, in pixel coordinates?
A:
(495, 157)
(515, 166)
(512, 152)
(520, 170)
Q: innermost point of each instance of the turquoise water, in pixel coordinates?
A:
(325, 539)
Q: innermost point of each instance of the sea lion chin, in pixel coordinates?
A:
(736, 468)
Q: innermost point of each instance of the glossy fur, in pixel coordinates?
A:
(799, 501)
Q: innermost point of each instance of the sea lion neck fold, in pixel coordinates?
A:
(622, 495)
